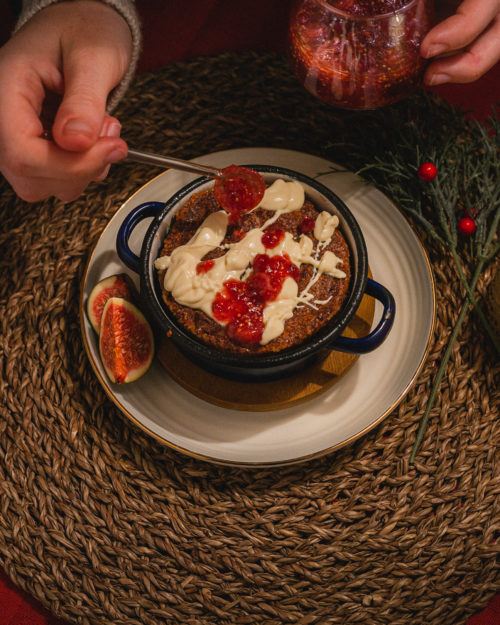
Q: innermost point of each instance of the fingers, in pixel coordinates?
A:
(79, 52)
(46, 170)
(464, 46)
(461, 29)
(79, 118)
(37, 168)
(469, 65)
(111, 127)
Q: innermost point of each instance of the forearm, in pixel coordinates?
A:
(127, 10)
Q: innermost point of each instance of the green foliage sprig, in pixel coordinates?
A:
(386, 147)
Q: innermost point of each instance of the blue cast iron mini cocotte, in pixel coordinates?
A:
(268, 366)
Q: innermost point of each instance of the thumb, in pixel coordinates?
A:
(82, 111)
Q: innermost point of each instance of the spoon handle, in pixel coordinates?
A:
(170, 162)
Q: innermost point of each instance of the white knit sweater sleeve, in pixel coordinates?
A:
(127, 10)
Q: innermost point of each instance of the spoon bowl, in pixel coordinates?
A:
(237, 189)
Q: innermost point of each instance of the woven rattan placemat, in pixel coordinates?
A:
(105, 525)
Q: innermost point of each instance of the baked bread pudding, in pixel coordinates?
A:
(257, 284)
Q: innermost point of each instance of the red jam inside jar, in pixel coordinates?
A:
(240, 304)
(359, 54)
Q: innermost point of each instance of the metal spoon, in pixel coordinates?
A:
(237, 189)
(170, 162)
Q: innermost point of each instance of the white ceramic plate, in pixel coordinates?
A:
(366, 394)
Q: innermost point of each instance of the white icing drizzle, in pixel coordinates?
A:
(282, 196)
(198, 290)
(324, 226)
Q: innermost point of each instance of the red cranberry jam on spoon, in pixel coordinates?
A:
(238, 190)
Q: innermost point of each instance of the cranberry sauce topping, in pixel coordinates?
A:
(271, 238)
(238, 190)
(204, 266)
(307, 224)
(240, 304)
(353, 61)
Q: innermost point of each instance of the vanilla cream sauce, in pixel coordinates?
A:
(198, 290)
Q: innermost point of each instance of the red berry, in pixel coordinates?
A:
(427, 172)
(307, 224)
(294, 272)
(246, 328)
(260, 287)
(271, 238)
(466, 226)
(204, 266)
(260, 262)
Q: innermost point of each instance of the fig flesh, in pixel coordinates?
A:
(126, 341)
(118, 285)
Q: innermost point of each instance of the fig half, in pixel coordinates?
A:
(118, 285)
(126, 341)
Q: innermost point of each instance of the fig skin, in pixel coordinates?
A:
(126, 342)
(117, 285)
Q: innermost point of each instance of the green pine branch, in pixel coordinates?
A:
(387, 146)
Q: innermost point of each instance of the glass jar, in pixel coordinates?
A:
(359, 54)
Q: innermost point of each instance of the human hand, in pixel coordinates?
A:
(79, 50)
(465, 45)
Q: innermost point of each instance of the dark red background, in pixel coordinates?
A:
(174, 31)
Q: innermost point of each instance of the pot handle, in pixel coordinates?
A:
(147, 209)
(377, 335)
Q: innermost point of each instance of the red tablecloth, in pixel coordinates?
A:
(18, 608)
(176, 31)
